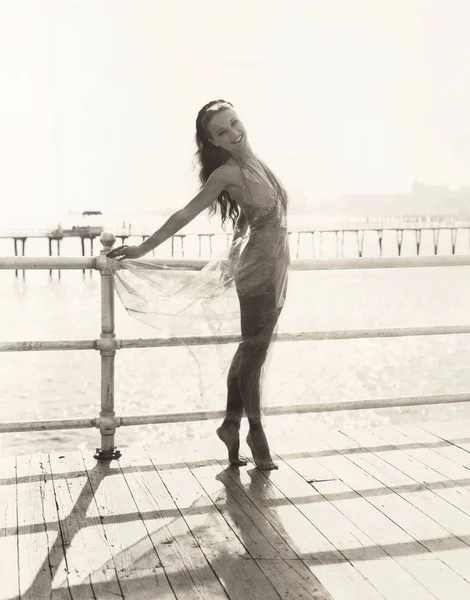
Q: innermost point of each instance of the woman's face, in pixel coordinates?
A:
(227, 131)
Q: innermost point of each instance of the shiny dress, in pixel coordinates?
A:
(263, 264)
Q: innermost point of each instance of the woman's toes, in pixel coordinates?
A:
(268, 466)
(238, 463)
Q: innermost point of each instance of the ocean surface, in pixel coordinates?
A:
(51, 385)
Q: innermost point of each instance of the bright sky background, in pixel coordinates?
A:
(98, 97)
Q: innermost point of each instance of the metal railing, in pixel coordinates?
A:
(107, 344)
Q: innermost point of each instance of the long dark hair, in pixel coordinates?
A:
(211, 157)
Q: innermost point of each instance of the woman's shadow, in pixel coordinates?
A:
(263, 532)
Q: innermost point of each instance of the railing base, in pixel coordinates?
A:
(113, 454)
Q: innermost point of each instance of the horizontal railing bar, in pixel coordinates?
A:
(321, 264)
(219, 414)
(369, 404)
(49, 425)
(48, 262)
(93, 262)
(395, 262)
(316, 264)
(300, 409)
(303, 336)
(351, 334)
(39, 346)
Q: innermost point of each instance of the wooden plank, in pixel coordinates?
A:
(402, 530)
(388, 452)
(105, 583)
(414, 470)
(443, 447)
(146, 585)
(236, 569)
(35, 539)
(327, 566)
(385, 574)
(183, 561)
(430, 468)
(410, 518)
(124, 531)
(343, 581)
(456, 433)
(233, 502)
(299, 534)
(435, 458)
(442, 581)
(342, 533)
(286, 572)
(57, 559)
(401, 580)
(451, 550)
(430, 457)
(429, 500)
(9, 567)
(339, 489)
(87, 550)
(293, 580)
(451, 517)
(62, 592)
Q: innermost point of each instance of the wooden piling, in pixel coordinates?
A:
(380, 235)
(23, 247)
(399, 240)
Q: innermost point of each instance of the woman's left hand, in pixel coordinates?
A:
(125, 252)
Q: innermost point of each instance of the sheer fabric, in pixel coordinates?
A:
(241, 291)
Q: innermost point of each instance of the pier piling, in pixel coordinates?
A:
(23, 245)
(399, 240)
(57, 240)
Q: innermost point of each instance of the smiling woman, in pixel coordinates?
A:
(246, 192)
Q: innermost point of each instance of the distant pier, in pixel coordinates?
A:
(328, 236)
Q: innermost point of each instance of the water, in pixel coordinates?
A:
(51, 385)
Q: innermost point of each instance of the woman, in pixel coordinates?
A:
(248, 193)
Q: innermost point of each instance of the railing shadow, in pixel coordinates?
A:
(41, 586)
(377, 449)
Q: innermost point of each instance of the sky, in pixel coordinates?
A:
(98, 98)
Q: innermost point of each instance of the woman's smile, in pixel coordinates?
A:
(238, 139)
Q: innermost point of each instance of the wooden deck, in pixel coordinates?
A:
(361, 514)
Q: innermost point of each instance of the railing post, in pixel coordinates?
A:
(108, 450)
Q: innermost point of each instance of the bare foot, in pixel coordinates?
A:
(231, 438)
(256, 440)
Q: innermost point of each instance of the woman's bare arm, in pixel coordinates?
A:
(219, 180)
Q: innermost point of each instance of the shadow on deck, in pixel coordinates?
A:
(373, 514)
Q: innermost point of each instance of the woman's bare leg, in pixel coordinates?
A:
(229, 431)
(259, 319)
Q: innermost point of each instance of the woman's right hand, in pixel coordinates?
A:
(126, 252)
